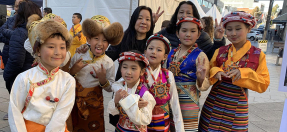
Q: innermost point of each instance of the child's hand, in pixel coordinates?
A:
(236, 73)
(118, 96)
(201, 70)
(218, 75)
(101, 74)
(77, 67)
(142, 103)
(82, 49)
(219, 30)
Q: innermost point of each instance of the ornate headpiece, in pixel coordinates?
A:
(189, 19)
(132, 56)
(159, 37)
(239, 16)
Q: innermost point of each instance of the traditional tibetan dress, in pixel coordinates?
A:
(132, 119)
(76, 42)
(41, 100)
(226, 107)
(184, 71)
(88, 111)
(167, 103)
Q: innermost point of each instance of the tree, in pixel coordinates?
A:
(256, 11)
(274, 10)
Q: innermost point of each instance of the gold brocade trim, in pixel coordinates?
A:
(94, 59)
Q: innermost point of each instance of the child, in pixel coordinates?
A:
(94, 71)
(161, 85)
(76, 32)
(128, 92)
(43, 97)
(190, 67)
(235, 68)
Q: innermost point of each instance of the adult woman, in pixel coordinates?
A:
(140, 28)
(207, 23)
(19, 59)
(188, 9)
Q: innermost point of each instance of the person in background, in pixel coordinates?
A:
(188, 9)
(207, 23)
(164, 24)
(76, 32)
(47, 10)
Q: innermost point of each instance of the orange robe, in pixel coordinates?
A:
(76, 42)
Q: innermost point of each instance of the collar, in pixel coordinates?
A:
(46, 72)
(154, 72)
(241, 52)
(94, 58)
(134, 88)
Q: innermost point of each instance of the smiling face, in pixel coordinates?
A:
(98, 44)
(131, 72)
(53, 52)
(155, 52)
(188, 33)
(236, 32)
(143, 22)
(185, 10)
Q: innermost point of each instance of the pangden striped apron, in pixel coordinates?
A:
(226, 107)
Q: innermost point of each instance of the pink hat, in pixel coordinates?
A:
(239, 16)
(132, 56)
(190, 19)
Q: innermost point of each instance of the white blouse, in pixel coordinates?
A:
(85, 78)
(174, 100)
(138, 116)
(53, 115)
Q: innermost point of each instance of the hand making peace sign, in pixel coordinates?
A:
(201, 70)
(219, 30)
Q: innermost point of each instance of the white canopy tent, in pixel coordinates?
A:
(224, 12)
(214, 13)
(115, 11)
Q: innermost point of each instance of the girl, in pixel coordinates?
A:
(94, 71)
(161, 85)
(235, 68)
(188, 9)
(43, 97)
(207, 23)
(128, 92)
(190, 67)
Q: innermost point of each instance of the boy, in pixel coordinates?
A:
(76, 32)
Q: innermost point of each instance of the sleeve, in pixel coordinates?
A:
(255, 80)
(174, 104)
(77, 40)
(7, 33)
(110, 77)
(112, 109)
(213, 68)
(141, 116)
(73, 60)
(17, 55)
(16, 105)
(63, 109)
(206, 83)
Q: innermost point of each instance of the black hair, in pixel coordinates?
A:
(26, 9)
(129, 38)
(165, 47)
(171, 28)
(37, 44)
(246, 25)
(48, 10)
(179, 26)
(141, 63)
(78, 15)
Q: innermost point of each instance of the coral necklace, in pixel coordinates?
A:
(174, 65)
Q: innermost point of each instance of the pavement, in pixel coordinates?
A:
(265, 110)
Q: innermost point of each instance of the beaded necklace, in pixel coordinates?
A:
(234, 65)
(160, 89)
(175, 66)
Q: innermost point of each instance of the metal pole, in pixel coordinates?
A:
(268, 19)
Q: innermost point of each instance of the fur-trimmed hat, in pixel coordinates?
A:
(100, 24)
(46, 29)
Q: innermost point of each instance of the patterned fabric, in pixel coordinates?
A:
(159, 37)
(187, 92)
(189, 19)
(133, 57)
(88, 111)
(125, 122)
(238, 16)
(37, 84)
(160, 114)
(226, 107)
(102, 20)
